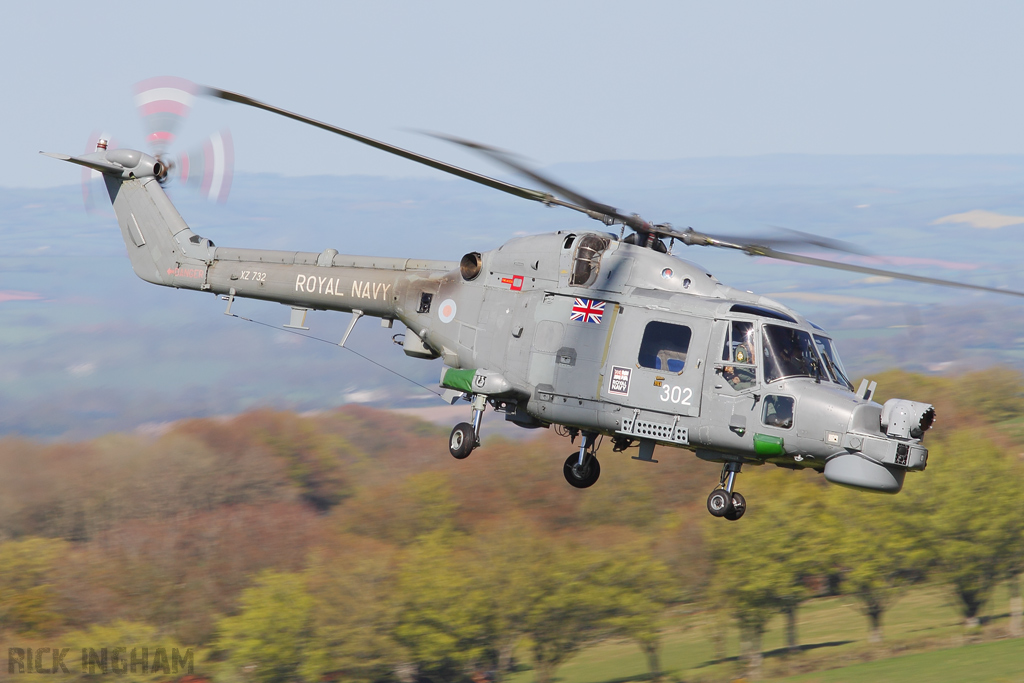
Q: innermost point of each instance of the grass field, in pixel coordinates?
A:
(1001, 661)
(923, 642)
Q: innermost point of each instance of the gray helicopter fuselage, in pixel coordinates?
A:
(573, 328)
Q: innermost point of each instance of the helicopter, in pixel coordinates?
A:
(595, 333)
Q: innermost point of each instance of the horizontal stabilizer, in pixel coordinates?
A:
(102, 166)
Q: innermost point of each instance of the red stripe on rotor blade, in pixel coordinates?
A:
(164, 107)
(161, 136)
(229, 166)
(207, 168)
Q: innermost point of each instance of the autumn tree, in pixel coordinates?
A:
(964, 512)
(640, 588)
(443, 620)
(28, 599)
(354, 625)
(504, 562)
(763, 563)
(402, 511)
(270, 638)
(876, 552)
(133, 652)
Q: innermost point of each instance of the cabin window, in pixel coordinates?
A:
(426, 298)
(778, 411)
(587, 260)
(664, 347)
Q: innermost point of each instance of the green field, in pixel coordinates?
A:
(923, 642)
(997, 662)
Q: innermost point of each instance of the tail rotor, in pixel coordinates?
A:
(164, 102)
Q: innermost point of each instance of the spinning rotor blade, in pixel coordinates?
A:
(494, 183)
(824, 263)
(209, 168)
(808, 239)
(691, 237)
(508, 159)
(754, 243)
(163, 102)
(523, 192)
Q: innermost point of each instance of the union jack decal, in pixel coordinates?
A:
(587, 311)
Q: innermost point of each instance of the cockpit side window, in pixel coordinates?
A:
(789, 352)
(739, 343)
(830, 359)
(587, 260)
(664, 347)
(739, 357)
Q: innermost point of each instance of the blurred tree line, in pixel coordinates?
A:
(350, 545)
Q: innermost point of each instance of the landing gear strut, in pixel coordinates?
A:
(723, 501)
(582, 469)
(465, 436)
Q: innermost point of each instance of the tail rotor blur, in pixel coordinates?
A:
(209, 168)
(164, 102)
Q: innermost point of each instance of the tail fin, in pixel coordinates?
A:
(162, 248)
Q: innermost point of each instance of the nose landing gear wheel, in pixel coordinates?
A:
(739, 506)
(462, 441)
(581, 477)
(720, 503)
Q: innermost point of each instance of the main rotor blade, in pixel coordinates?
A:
(807, 238)
(755, 242)
(824, 263)
(507, 159)
(515, 190)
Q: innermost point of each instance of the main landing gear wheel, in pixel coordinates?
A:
(739, 506)
(723, 501)
(462, 441)
(581, 476)
(719, 503)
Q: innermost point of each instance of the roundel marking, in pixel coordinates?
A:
(446, 311)
(667, 273)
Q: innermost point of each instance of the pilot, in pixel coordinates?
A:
(744, 354)
(739, 378)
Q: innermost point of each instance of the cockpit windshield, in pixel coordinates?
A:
(789, 352)
(830, 358)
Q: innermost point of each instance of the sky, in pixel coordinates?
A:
(555, 81)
